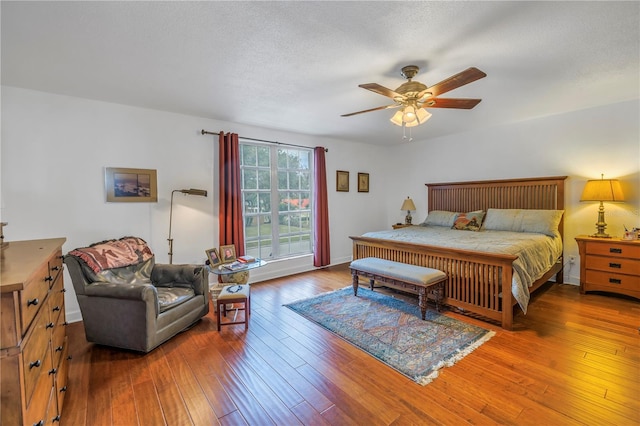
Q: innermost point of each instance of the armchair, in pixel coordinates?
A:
(128, 301)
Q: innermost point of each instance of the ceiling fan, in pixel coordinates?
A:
(413, 97)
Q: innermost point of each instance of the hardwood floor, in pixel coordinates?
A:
(573, 359)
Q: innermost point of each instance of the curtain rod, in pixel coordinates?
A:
(205, 132)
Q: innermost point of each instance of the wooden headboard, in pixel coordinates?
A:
(545, 193)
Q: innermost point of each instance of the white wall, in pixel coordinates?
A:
(581, 145)
(55, 149)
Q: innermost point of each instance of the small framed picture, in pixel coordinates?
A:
(342, 181)
(363, 182)
(131, 185)
(228, 253)
(214, 257)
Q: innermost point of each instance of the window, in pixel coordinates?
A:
(276, 195)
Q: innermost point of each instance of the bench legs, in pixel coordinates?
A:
(436, 289)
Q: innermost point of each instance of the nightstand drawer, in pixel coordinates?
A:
(613, 249)
(614, 265)
(614, 281)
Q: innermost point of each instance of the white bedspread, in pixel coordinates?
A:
(537, 253)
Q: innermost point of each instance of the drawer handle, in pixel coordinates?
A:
(50, 325)
(56, 308)
(36, 363)
(69, 357)
(40, 423)
(64, 290)
(53, 371)
(615, 265)
(59, 348)
(56, 419)
(63, 389)
(615, 250)
(33, 302)
(615, 281)
(55, 268)
(49, 278)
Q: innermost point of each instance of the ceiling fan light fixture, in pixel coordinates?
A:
(397, 118)
(422, 115)
(409, 115)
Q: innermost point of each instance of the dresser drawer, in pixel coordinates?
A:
(55, 265)
(614, 264)
(55, 303)
(615, 282)
(33, 296)
(58, 343)
(35, 357)
(613, 249)
(62, 377)
(38, 402)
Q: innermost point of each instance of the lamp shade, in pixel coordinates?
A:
(602, 190)
(408, 205)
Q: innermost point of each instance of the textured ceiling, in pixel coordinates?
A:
(296, 66)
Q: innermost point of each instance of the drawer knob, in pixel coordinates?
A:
(33, 302)
(56, 419)
(615, 281)
(59, 348)
(615, 250)
(40, 423)
(49, 278)
(53, 371)
(615, 265)
(64, 290)
(35, 363)
(56, 308)
(50, 325)
(63, 389)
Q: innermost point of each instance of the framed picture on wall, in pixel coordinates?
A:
(131, 185)
(363, 182)
(342, 181)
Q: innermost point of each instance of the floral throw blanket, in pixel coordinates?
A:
(112, 254)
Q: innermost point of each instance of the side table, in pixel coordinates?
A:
(227, 276)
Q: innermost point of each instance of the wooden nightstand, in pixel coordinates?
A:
(609, 264)
(400, 225)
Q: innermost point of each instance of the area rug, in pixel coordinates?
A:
(392, 330)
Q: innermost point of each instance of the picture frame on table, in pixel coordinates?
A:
(123, 185)
(228, 253)
(214, 257)
(363, 182)
(342, 181)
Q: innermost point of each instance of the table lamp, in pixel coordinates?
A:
(408, 206)
(602, 190)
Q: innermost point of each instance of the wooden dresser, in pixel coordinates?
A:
(609, 264)
(33, 353)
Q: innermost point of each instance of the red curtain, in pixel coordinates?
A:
(230, 214)
(321, 255)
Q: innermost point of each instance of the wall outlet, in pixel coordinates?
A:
(572, 259)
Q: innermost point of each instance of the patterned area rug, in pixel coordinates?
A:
(392, 331)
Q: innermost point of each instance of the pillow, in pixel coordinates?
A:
(522, 220)
(440, 218)
(469, 221)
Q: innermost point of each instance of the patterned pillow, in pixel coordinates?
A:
(471, 221)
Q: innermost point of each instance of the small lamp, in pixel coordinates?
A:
(408, 206)
(199, 192)
(602, 190)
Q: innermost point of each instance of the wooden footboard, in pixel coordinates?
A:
(476, 282)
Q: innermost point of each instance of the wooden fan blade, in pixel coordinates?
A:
(381, 90)
(465, 77)
(451, 103)
(369, 110)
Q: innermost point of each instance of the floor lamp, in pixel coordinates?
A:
(200, 192)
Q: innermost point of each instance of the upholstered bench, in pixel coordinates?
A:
(233, 294)
(414, 278)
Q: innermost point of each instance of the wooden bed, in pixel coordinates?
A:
(478, 282)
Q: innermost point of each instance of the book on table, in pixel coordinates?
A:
(246, 259)
(235, 266)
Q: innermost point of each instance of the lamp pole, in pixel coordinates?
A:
(200, 192)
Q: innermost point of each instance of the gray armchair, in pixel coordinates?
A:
(140, 306)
